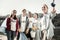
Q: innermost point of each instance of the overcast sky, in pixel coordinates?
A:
(6, 6)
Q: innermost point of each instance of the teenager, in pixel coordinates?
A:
(12, 25)
(47, 26)
(30, 19)
(36, 27)
(23, 22)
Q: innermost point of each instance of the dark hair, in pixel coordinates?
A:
(30, 14)
(23, 10)
(14, 11)
(11, 15)
(45, 5)
(36, 14)
(14, 16)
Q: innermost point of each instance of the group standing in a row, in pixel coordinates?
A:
(29, 27)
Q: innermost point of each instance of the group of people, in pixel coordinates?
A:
(30, 27)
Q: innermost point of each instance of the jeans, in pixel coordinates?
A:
(18, 36)
(23, 36)
(10, 35)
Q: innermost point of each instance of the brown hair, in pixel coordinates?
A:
(14, 11)
(23, 10)
(45, 5)
(36, 14)
(30, 14)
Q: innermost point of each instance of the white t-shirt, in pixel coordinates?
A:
(45, 21)
(30, 22)
(35, 22)
(13, 24)
(23, 23)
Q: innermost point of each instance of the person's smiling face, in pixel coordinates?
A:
(45, 8)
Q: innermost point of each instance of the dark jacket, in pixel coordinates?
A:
(9, 25)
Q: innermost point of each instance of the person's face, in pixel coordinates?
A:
(45, 9)
(35, 16)
(24, 11)
(14, 12)
(30, 15)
